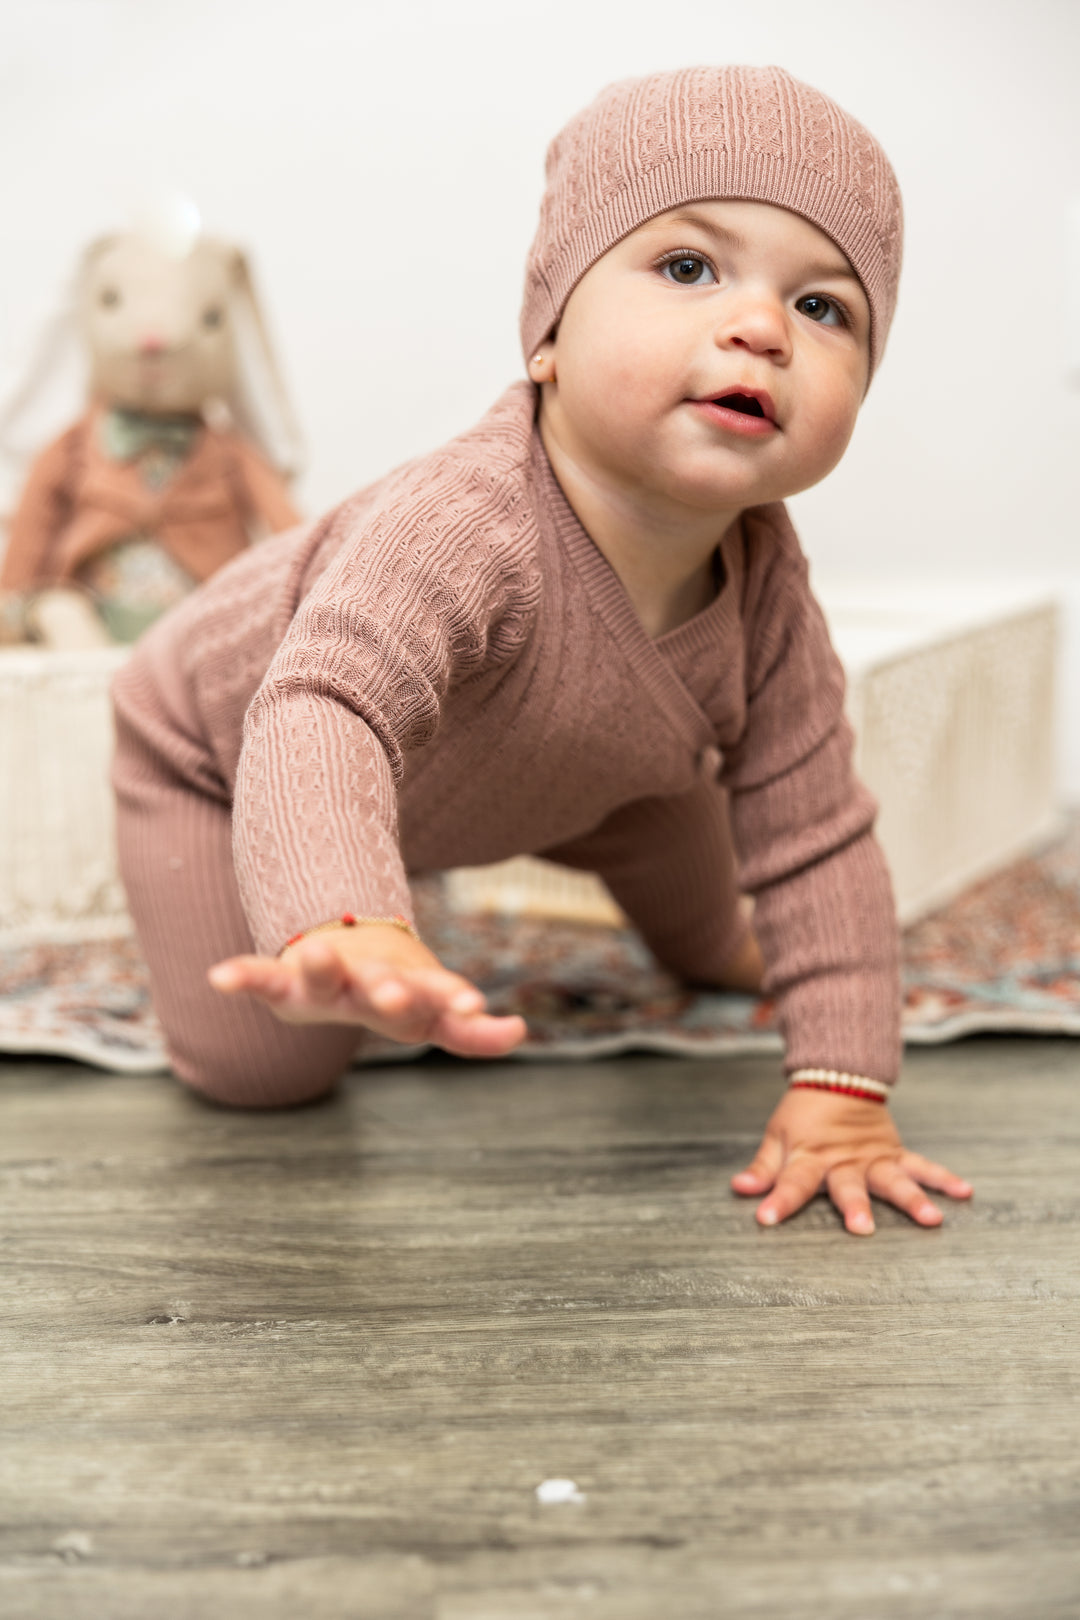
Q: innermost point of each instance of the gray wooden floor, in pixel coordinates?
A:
(314, 1364)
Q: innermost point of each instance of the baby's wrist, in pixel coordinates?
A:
(378, 941)
(839, 1083)
(348, 919)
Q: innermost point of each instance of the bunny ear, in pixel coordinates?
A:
(50, 393)
(260, 403)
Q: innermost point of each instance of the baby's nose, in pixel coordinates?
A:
(151, 343)
(758, 327)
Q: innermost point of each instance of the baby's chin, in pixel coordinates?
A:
(705, 488)
(748, 485)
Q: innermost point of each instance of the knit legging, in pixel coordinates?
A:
(175, 846)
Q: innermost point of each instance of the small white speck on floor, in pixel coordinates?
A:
(73, 1546)
(550, 1492)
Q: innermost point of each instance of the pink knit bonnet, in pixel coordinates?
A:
(740, 133)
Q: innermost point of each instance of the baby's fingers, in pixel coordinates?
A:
(761, 1172)
(936, 1176)
(847, 1189)
(321, 976)
(408, 1004)
(312, 986)
(262, 976)
(437, 1007)
(796, 1184)
(478, 1035)
(888, 1181)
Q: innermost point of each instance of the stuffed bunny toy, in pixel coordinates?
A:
(169, 472)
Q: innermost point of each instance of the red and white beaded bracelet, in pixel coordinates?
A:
(347, 920)
(847, 1085)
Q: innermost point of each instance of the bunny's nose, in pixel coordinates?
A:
(151, 344)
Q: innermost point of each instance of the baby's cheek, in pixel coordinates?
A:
(614, 395)
(611, 365)
(835, 426)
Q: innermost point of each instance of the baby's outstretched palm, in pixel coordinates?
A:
(379, 979)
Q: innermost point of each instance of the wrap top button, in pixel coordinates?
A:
(709, 762)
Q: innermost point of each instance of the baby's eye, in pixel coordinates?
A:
(688, 270)
(109, 298)
(212, 317)
(826, 311)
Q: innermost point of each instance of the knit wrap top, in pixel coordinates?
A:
(446, 671)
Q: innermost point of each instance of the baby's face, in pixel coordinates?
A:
(717, 357)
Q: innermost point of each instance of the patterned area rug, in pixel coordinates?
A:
(1003, 956)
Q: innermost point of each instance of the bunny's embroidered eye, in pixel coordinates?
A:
(109, 298)
(212, 318)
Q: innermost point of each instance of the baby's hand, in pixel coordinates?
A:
(853, 1149)
(378, 977)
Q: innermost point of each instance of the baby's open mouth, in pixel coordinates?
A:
(754, 405)
(745, 404)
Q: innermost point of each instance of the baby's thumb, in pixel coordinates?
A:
(241, 973)
(762, 1171)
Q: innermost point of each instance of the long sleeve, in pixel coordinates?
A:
(43, 509)
(802, 822)
(425, 595)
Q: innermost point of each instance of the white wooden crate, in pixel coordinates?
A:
(952, 695)
(58, 873)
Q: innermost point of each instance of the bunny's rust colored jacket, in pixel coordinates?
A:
(78, 502)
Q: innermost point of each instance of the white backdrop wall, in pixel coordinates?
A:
(383, 164)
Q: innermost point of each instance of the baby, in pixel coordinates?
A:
(582, 629)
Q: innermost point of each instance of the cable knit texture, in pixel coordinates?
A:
(737, 133)
(446, 671)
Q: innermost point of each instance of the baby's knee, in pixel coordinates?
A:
(241, 1082)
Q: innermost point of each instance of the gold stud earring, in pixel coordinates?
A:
(537, 359)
